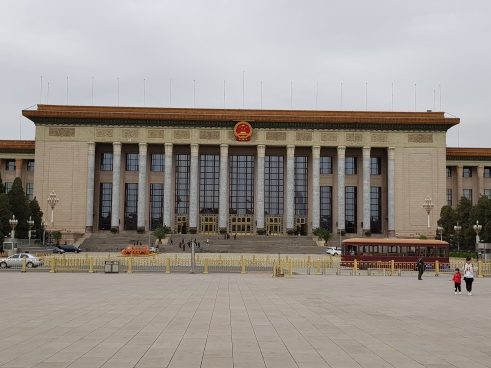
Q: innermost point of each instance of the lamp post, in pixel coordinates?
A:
(457, 229)
(30, 223)
(477, 228)
(52, 201)
(43, 224)
(13, 223)
(440, 230)
(428, 206)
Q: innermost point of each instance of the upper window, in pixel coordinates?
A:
(326, 165)
(449, 172)
(30, 191)
(487, 193)
(157, 162)
(132, 162)
(350, 166)
(467, 172)
(375, 166)
(30, 165)
(7, 186)
(468, 194)
(487, 172)
(106, 161)
(10, 165)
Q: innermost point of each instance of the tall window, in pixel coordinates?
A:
(487, 193)
(30, 165)
(350, 209)
(375, 166)
(156, 205)
(132, 162)
(209, 183)
(241, 177)
(449, 172)
(449, 197)
(106, 161)
(326, 208)
(468, 194)
(157, 162)
(376, 210)
(350, 166)
(301, 185)
(326, 165)
(105, 203)
(182, 184)
(10, 165)
(131, 206)
(273, 185)
(8, 186)
(487, 172)
(29, 191)
(467, 172)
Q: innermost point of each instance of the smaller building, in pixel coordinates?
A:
(17, 160)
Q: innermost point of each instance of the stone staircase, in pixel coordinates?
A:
(108, 242)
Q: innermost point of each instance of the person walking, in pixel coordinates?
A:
(457, 279)
(468, 275)
(421, 268)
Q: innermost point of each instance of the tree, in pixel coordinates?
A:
(37, 217)
(323, 234)
(482, 212)
(2, 187)
(448, 219)
(19, 206)
(5, 215)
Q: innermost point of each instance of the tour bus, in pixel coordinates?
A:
(398, 250)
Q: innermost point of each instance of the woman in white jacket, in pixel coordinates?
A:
(468, 275)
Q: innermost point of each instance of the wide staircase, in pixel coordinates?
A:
(109, 242)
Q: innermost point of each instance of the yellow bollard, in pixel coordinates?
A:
(91, 265)
(437, 268)
(130, 265)
(290, 268)
(479, 269)
(167, 265)
(205, 270)
(274, 268)
(355, 267)
(53, 265)
(392, 268)
(318, 267)
(23, 265)
(242, 265)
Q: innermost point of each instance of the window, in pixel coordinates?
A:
(375, 166)
(350, 166)
(156, 205)
(487, 172)
(273, 185)
(105, 205)
(326, 208)
(29, 191)
(182, 184)
(30, 165)
(10, 165)
(209, 183)
(241, 178)
(468, 194)
(449, 172)
(301, 185)
(7, 186)
(375, 210)
(467, 172)
(157, 162)
(106, 161)
(350, 209)
(326, 165)
(449, 197)
(132, 162)
(487, 193)
(131, 206)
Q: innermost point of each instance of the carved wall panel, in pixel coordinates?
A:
(275, 136)
(182, 134)
(61, 132)
(104, 132)
(379, 138)
(420, 138)
(156, 133)
(209, 134)
(329, 137)
(304, 136)
(354, 137)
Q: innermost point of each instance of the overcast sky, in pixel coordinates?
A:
(182, 53)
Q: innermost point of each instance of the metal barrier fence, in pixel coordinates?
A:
(278, 266)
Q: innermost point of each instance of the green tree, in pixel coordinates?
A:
(37, 217)
(19, 206)
(448, 219)
(5, 215)
(482, 212)
(467, 235)
(2, 187)
(323, 234)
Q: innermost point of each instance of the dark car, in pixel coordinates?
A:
(69, 248)
(55, 249)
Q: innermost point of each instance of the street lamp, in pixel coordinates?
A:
(477, 228)
(43, 224)
(30, 223)
(457, 229)
(428, 206)
(13, 223)
(52, 201)
(439, 229)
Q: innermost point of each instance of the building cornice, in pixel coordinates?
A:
(17, 146)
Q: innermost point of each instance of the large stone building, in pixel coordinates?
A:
(244, 171)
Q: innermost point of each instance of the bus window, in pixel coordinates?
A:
(411, 251)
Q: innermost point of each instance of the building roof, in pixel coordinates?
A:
(12, 146)
(296, 119)
(468, 154)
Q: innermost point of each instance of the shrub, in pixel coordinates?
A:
(323, 234)
(290, 231)
(368, 233)
(56, 235)
(423, 237)
(193, 230)
(114, 230)
(260, 231)
(462, 254)
(223, 230)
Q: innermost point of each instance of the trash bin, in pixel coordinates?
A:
(111, 267)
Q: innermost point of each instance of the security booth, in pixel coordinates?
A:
(10, 247)
(484, 251)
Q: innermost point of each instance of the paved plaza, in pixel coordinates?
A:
(232, 320)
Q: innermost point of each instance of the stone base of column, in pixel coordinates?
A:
(114, 229)
(391, 233)
(140, 229)
(260, 231)
(89, 229)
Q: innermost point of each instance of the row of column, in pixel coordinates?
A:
(480, 180)
(223, 187)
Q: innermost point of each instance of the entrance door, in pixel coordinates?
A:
(182, 225)
(208, 224)
(274, 225)
(130, 206)
(241, 225)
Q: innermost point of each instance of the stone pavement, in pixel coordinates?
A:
(232, 320)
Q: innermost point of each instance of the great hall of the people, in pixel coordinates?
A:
(243, 171)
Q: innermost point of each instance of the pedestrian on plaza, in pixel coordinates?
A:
(171, 242)
(207, 241)
(457, 279)
(421, 268)
(468, 275)
(235, 236)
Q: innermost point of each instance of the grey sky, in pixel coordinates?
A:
(311, 46)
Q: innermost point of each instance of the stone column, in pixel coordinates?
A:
(341, 189)
(366, 189)
(290, 187)
(168, 184)
(316, 200)
(480, 181)
(89, 219)
(18, 167)
(142, 187)
(460, 174)
(116, 180)
(261, 148)
(193, 188)
(391, 231)
(223, 205)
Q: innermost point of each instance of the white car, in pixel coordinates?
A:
(16, 261)
(333, 251)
